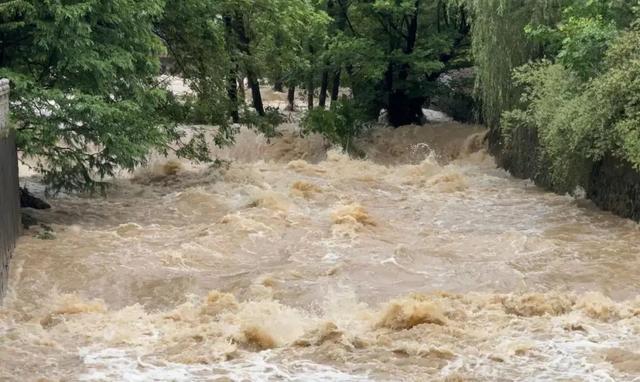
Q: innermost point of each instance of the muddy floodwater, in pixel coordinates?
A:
(423, 262)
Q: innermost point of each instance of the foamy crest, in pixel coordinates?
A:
(305, 189)
(350, 219)
(452, 334)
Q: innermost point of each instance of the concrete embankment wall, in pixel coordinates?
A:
(9, 198)
(612, 184)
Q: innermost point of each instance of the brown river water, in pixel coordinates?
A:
(423, 262)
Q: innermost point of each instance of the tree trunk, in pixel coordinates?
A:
(310, 90)
(232, 81)
(403, 109)
(335, 88)
(291, 97)
(254, 84)
(242, 95)
(232, 92)
(278, 86)
(244, 42)
(324, 86)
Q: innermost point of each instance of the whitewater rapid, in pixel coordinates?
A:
(295, 262)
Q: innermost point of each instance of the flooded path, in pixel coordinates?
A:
(297, 263)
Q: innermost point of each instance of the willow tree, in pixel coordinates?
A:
(581, 101)
(501, 44)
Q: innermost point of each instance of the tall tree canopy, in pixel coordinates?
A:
(85, 102)
(389, 52)
(394, 51)
(221, 42)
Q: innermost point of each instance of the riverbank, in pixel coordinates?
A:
(611, 184)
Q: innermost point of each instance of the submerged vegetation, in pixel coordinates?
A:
(340, 124)
(88, 99)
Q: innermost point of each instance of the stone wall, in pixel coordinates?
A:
(611, 183)
(614, 186)
(9, 199)
(521, 156)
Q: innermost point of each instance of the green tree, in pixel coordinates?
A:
(196, 38)
(500, 44)
(293, 42)
(507, 34)
(390, 54)
(339, 125)
(84, 99)
(394, 51)
(216, 43)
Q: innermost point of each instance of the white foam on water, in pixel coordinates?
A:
(124, 365)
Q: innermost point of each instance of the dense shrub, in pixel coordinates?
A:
(581, 121)
(339, 125)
